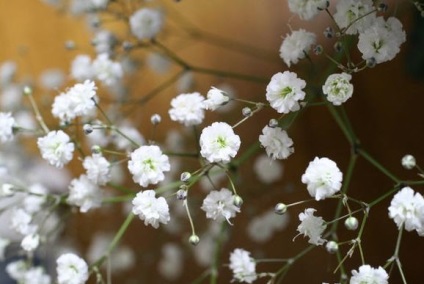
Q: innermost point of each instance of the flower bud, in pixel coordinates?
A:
(408, 162)
(70, 45)
(371, 62)
(332, 247)
(246, 111)
(185, 176)
(237, 201)
(280, 208)
(328, 32)
(27, 90)
(273, 123)
(96, 149)
(87, 128)
(155, 119)
(382, 7)
(194, 240)
(6, 189)
(182, 194)
(338, 46)
(318, 49)
(351, 223)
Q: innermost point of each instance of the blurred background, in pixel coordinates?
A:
(238, 36)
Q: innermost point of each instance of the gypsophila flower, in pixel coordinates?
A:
(262, 227)
(170, 266)
(405, 209)
(20, 221)
(323, 178)
(16, 270)
(338, 88)
(107, 71)
(71, 269)
(6, 126)
(52, 79)
(220, 205)
(278, 145)
(219, 143)
(35, 198)
(296, 45)
(312, 227)
(81, 68)
(307, 9)
(242, 266)
(77, 101)
(268, 170)
(97, 168)
(369, 275)
(36, 275)
(123, 142)
(350, 14)
(146, 23)
(30, 242)
(381, 41)
(84, 194)
(151, 209)
(56, 148)
(215, 99)
(187, 109)
(147, 165)
(284, 92)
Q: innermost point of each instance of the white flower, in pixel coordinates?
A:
(35, 198)
(284, 92)
(170, 266)
(7, 72)
(98, 169)
(56, 148)
(296, 45)
(81, 68)
(151, 209)
(338, 88)
(77, 101)
(104, 41)
(187, 109)
(369, 275)
(323, 178)
(215, 99)
(381, 41)
(312, 227)
(20, 221)
(219, 143)
(84, 194)
(30, 242)
(350, 14)
(146, 23)
(278, 145)
(130, 132)
(307, 9)
(52, 79)
(405, 209)
(268, 170)
(243, 266)
(17, 269)
(3, 245)
(36, 275)
(147, 165)
(220, 205)
(71, 269)
(6, 126)
(107, 71)
(262, 227)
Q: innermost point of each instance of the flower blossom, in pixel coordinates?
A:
(147, 165)
(219, 143)
(98, 169)
(312, 226)
(323, 178)
(107, 71)
(405, 209)
(81, 68)
(296, 45)
(6, 126)
(187, 109)
(56, 148)
(84, 193)
(71, 269)
(368, 274)
(284, 92)
(243, 266)
(278, 145)
(338, 88)
(220, 205)
(151, 209)
(354, 15)
(146, 23)
(215, 99)
(307, 9)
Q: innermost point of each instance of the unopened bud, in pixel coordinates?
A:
(351, 223)
(182, 194)
(237, 201)
(329, 32)
(273, 123)
(318, 49)
(280, 208)
(155, 119)
(371, 62)
(27, 90)
(246, 111)
(185, 176)
(194, 240)
(87, 128)
(408, 162)
(332, 247)
(96, 149)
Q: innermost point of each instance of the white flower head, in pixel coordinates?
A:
(312, 227)
(56, 148)
(147, 164)
(6, 126)
(20, 221)
(405, 209)
(307, 9)
(71, 269)
(278, 145)
(151, 209)
(243, 266)
(381, 41)
(107, 71)
(36, 275)
(84, 193)
(187, 109)
(355, 15)
(215, 99)
(368, 274)
(268, 170)
(81, 68)
(219, 143)
(338, 88)
(30, 242)
(35, 198)
(98, 169)
(220, 205)
(284, 92)
(52, 79)
(296, 45)
(262, 227)
(323, 178)
(146, 23)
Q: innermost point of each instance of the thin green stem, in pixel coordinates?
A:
(376, 164)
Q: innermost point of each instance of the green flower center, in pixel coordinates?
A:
(287, 90)
(149, 163)
(222, 143)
